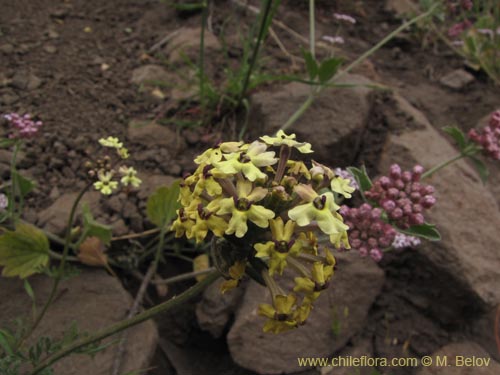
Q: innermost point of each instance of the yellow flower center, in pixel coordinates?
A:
(243, 204)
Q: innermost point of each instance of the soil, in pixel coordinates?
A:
(70, 64)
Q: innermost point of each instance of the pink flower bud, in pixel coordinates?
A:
(376, 254)
(395, 171)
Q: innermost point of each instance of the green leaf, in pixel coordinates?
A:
(328, 69)
(5, 341)
(24, 184)
(162, 205)
(93, 228)
(457, 135)
(24, 251)
(29, 289)
(427, 231)
(7, 142)
(311, 65)
(361, 178)
(481, 168)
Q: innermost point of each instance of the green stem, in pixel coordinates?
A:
(127, 323)
(442, 165)
(380, 44)
(13, 186)
(253, 60)
(60, 272)
(310, 99)
(312, 30)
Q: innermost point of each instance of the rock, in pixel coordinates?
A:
(176, 85)
(483, 332)
(454, 353)
(55, 217)
(186, 42)
(359, 350)
(54, 193)
(152, 182)
(213, 360)
(119, 228)
(9, 99)
(24, 80)
(94, 300)
(329, 124)
(49, 48)
(7, 48)
(465, 214)
(342, 303)
(150, 75)
(401, 7)
(214, 311)
(150, 134)
(457, 79)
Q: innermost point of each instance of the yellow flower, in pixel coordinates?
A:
(129, 176)
(340, 240)
(242, 208)
(342, 186)
(210, 156)
(320, 171)
(308, 243)
(105, 185)
(112, 142)
(182, 224)
(123, 153)
(298, 168)
(282, 245)
(236, 272)
(205, 221)
(320, 208)
(248, 162)
(280, 315)
(288, 140)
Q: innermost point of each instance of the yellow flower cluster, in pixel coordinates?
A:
(271, 208)
(105, 170)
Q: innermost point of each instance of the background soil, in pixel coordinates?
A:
(70, 64)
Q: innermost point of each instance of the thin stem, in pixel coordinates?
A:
(310, 99)
(312, 30)
(379, 45)
(202, 56)
(60, 272)
(136, 235)
(184, 276)
(442, 165)
(13, 186)
(253, 60)
(127, 323)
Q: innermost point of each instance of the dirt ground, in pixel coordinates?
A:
(70, 64)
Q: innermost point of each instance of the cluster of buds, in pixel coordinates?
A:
(264, 214)
(24, 126)
(368, 233)
(489, 138)
(458, 28)
(402, 196)
(105, 168)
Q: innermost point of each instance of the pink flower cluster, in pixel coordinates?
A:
(459, 28)
(402, 196)
(368, 233)
(24, 125)
(489, 137)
